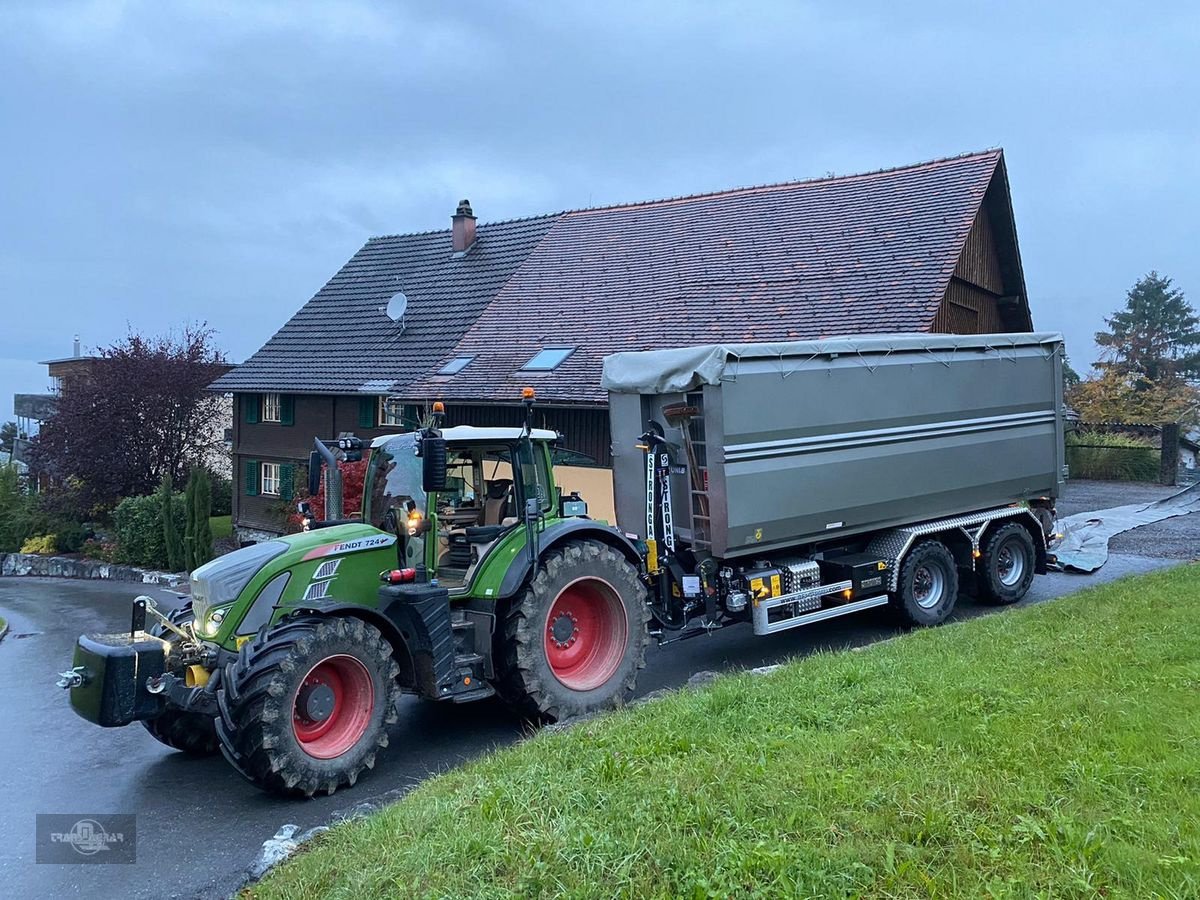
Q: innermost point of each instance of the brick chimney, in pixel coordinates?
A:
(463, 227)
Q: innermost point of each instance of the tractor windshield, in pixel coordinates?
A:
(393, 481)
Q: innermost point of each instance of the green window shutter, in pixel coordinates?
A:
(287, 482)
(251, 472)
(366, 411)
(287, 410)
(250, 404)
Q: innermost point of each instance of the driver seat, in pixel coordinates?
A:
(499, 497)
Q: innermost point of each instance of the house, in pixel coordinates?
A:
(472, 314)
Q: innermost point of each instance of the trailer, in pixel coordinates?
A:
(789, 483)
(779, 485)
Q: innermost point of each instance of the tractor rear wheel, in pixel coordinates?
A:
(191, 733)
(574, 639)
(306, 706)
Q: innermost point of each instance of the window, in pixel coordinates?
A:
(391, 412)
(548, 359)
(455, 365)
(270, 477)
(270, 408)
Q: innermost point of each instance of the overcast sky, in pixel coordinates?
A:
(164, 162)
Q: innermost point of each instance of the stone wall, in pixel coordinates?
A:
(62, 567)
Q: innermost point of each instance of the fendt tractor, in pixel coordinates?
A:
(778, 485)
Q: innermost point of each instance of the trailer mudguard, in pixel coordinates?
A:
(558, 533)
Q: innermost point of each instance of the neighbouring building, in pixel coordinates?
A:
(31, 410)
(471, 314)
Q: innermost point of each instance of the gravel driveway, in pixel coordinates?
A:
(1177, 538)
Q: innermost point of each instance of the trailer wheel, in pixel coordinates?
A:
(191, 733)
(928, 584)
(574, 640)
(306, 706)
(1006, 565)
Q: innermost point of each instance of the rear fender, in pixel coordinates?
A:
(558, 534)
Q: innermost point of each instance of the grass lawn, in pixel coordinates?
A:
(222, 526)
(1052, 751)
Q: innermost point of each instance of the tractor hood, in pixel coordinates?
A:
(219, 581)
(305, 565)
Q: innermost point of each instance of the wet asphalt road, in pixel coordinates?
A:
(199, 825)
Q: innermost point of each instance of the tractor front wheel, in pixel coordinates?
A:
(574, 640)
(306, 706)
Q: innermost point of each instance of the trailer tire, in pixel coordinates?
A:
(1006, 565)
(927, 588)
(574, 639)
(191, 733)
(306, 705)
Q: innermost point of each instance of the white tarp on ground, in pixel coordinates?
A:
(1084, 546)
(686, 368)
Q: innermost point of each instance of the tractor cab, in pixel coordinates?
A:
(495, 480)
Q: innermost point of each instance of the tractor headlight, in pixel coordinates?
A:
(212, 622)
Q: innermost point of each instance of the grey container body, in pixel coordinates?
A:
(806, 442)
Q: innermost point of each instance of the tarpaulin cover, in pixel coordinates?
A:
(686, 368)
(1084, 546)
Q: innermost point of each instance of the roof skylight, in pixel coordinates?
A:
(548, 359)
(455, 365)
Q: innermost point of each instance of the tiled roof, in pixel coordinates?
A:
(342, 342)
(855, 254)
(851, 255)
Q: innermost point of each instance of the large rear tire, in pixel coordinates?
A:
(928, 584)
(574, 639)
(1006, 565)
(306, 706)
(188, 732)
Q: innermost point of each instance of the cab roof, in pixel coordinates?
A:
(472, 433)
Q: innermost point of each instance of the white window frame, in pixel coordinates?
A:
(269, 477)
(390, 413)
(271, 408)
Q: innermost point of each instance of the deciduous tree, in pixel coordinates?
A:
(1116, 397)
(141, 413)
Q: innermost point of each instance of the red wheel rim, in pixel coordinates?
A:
(332, 707)
(586, 634)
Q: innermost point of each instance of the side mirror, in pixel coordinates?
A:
(314, 473)
(433, 463)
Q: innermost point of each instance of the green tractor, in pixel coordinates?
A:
(469, 575)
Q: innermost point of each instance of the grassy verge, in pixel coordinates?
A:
(3, 623)
(222, 526)
(1049, 751)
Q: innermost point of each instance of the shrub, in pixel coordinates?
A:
(15, 511)
(222, 496)
(42, 544)
(69, 536)
(105, 551)
(139, 529)
(172, 542)
(1111, 457)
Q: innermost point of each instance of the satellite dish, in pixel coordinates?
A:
(396, 307)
